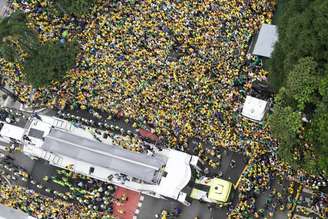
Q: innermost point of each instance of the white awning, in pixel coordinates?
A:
(12, 131)
(266, 39)
(254, 108)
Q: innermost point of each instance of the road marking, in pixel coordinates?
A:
(241, 174)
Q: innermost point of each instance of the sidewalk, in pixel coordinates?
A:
(10, 102)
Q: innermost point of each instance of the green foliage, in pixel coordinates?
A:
(311, 164)
(16, 37)
(318, 134)
(76, 7)
(43, 63)
(50, 62)
(302, 82)
(9, 51)
(285, 125)
(302, 32)
(318, 131)
(299, 71)
(323, 88)
(304, 87)
(275, 66)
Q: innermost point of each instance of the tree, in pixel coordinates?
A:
(285, 125)
(302, 82)
(16, 37)
(317, 134)
(76, 7)
(302, 32)
(277, 74)
(50, 62)
(323, 88)
(299, 71)
(285, 122)
(42, 63)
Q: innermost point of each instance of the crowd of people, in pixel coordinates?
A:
(39, 206)
(267, 174)
(181, 67)
(91, 193)
(169, 214)
(14, 193)
(258, 178)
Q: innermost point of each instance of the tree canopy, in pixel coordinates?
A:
(50, 62)
(75, 7)
(16, 38)
(303, 31)
(302, 82)
(299, 72)
(42, 63)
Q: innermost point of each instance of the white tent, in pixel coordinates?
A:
(254, 108)
(265, 41)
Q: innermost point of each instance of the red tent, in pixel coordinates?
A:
(147, 134)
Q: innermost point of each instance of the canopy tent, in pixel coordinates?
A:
(147, 134)
(265, 41)
(138, 165)
(254, 108)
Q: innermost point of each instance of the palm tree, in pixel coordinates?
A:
(16, 38)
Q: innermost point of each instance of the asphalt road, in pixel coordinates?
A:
(152, 206)
(37, 169)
